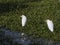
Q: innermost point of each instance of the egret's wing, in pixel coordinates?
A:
(50, 25)
(24, 20)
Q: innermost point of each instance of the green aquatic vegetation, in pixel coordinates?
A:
(36, 12)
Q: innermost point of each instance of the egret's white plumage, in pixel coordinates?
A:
(50, 25)
(24, 19)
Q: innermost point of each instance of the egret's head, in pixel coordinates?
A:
(47, 20)
(22, 15)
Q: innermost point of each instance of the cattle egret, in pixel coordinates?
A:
(24, 19)
(50, 25)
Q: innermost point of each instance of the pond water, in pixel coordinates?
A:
(8, 37)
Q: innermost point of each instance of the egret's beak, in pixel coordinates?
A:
(21, 16)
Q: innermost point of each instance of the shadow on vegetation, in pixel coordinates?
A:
(10, 6)
(6, 7)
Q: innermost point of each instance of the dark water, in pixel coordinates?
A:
(8, 37)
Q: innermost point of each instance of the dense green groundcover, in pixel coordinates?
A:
(37, 11)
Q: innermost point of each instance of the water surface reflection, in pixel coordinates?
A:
(8, 37)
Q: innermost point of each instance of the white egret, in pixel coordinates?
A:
(24, 19)
(50, 25)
